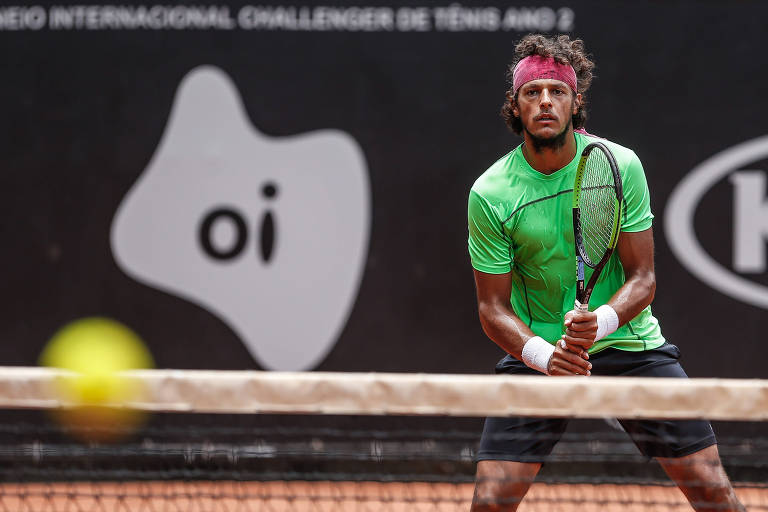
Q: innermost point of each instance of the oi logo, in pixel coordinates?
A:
(229, 250)
(215, 189)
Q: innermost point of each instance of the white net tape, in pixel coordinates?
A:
(416, 394)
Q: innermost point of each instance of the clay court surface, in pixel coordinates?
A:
(334, 496)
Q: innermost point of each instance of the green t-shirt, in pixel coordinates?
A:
(520, 221)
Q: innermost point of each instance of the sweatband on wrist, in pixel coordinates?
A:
(607, 321)
(536, 354)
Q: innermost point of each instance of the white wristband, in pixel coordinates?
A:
(607, 321)
(537, 352)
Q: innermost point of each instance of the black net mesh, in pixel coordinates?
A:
(207, 462)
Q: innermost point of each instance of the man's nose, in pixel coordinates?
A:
(545, 100)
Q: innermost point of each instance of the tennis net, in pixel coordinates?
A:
(282, 441)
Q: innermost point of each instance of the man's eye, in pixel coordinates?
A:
(558, 91)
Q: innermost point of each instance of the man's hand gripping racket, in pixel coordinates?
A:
(597, 209)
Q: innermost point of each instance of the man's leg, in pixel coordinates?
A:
(686, 449)
(702, 479)
(500, 485)
(511, 452)
(509, 457)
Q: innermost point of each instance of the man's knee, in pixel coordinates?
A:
(501, 485)
(703, 480)
(494, 495)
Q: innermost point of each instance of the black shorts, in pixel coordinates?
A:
(532, 439)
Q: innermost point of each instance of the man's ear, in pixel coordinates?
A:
(576, 103)
(512, 102)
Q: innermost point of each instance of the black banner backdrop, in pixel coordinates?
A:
(177, 239)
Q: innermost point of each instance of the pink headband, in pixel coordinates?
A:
(534, 67)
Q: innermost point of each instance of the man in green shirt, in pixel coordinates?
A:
(522, 251)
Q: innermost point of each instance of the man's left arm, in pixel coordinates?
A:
(636, 255)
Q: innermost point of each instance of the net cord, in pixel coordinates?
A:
(250, 392)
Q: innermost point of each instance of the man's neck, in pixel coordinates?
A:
(549, 160)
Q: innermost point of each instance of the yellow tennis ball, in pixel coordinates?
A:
(96, 349)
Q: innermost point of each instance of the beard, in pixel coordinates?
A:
(552, 143)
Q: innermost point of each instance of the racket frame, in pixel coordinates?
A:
(583, 292)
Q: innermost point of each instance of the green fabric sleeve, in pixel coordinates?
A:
(489, 249)
(637, 200)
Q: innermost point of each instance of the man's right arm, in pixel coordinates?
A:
(509, 332)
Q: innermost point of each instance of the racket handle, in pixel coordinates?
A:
(578, 306)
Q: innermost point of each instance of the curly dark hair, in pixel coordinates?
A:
(564, 50)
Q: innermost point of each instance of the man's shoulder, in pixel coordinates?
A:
(624, 155)
(495, 179)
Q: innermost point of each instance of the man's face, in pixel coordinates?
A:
(545, 107)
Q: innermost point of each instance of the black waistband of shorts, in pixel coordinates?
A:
(610, 361)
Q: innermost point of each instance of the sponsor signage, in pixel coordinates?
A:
(750, 221)
(270, 234)
(284, 185)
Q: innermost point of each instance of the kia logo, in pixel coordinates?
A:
(750, 221)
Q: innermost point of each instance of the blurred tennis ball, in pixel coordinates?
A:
(96, 350)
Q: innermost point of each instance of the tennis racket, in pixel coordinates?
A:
(597, 204)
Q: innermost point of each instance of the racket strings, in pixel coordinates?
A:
(597, 208)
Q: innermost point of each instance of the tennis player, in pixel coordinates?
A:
(522, 251)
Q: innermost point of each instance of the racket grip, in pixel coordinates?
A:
(578, 306)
